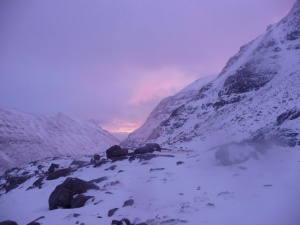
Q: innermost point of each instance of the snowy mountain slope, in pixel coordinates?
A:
(164, 109)
(27, 137)
(167, 188)
(257, 85)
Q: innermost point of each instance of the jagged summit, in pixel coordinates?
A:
(257, 85)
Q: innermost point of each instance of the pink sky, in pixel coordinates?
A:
(113, 61)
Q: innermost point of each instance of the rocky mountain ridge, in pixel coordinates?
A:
(257, 86)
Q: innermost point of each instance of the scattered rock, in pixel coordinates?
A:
(101, 162)
(179, 163)
(148, 148)
(79, 201)
(210, 204)
(113, 167)
(129, 202)
(124, 221)
(96, 158)
(116, 151)
(38, 183)
(35, 221)
(98, 180)
(288, 115)
(156, 169)
(53, 167)
(14, 182)
(112, 212)
(8, 222)
(63, 194)
(234, 153)
(59, 173)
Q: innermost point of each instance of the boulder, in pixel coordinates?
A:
(148, 148)
(112, 212)
(234, 153)
(53, 167)
(59, 173)
(124, 221)
(8, 222)
(14, 182)
(96, 158)
(129, 202)
(116, 151)
(79, 201)
(63, 194)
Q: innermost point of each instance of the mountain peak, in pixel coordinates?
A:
(258, 84)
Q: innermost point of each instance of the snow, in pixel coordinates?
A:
(27, 137)
(215, 118)
(198, 191)
(199, 128)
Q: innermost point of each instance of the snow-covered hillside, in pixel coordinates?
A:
(166, 188)
(27, 137)
(257, 86)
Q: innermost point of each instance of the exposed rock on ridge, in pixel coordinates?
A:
(258, 84)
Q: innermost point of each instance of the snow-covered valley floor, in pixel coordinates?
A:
(175, 187)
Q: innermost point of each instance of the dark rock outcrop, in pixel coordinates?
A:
(79, 201)
(129, 202)
(288, 115)
(8, 222)
(148, 148)
(124, 221)
(59, 173)
(112, 212)
(96, 158)
(63, 195)
(53, 167)
(116, 151)
(14, 182)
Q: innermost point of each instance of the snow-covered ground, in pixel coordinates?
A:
(176, 187)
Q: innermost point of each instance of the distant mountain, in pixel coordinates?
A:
(255, 97)
(27, 137)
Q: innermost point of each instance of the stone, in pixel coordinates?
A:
(59, 173)
(79, 201)
(129, 202)
(148, 148)
(112, 212)
(8, 222)
(288, 115)
(64, 193)
(116, 151)
(53, 167)
(96, 158)
(14, 182)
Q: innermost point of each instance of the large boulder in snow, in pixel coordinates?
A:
(8, 222)
(148, 148)
(116, 151)
(234, 153)
(63, 195)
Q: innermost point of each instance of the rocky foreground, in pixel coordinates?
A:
(156, 187)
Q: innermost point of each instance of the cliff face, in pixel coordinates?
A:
(257, 86)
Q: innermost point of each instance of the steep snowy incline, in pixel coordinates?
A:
(26, 137)
(258, 85)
